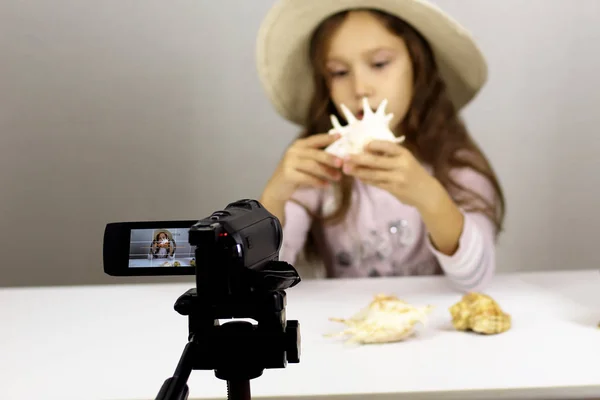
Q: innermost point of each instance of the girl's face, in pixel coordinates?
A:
(162, 236)
(366, 60)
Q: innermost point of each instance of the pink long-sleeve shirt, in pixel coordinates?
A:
(381, 236)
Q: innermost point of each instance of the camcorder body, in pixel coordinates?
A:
(234, 255)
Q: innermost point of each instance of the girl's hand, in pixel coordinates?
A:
(393, 168)
(304, 164)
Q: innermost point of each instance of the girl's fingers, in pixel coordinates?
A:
(312, 167)
(371, 160)
(305, 179)
(386, 147)
(318, 141)
(371, 175)
(321, 156)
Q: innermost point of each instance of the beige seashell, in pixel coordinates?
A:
(387, 319)
(479, 313)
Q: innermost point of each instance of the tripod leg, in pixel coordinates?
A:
(175, 387)
(170, 390)
(238, 390)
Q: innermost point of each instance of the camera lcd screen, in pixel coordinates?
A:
(160, 247)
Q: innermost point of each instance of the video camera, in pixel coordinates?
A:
(234, 254)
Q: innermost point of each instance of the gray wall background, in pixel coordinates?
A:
(151, 110)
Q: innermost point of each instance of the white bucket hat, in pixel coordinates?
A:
(282, 54)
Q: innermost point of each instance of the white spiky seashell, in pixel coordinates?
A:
(387, 319)
(358, 133)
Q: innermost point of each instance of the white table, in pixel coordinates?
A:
(121, 342)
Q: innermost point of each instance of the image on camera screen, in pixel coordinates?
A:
(161, 248)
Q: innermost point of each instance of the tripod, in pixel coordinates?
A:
(238, 351)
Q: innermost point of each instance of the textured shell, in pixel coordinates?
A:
(358, 133)
(479, 313)
(386, 319)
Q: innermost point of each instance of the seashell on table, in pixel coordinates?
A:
(386, 319)
(479, 313)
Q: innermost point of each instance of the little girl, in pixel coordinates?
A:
(430, 205)
(162, 246)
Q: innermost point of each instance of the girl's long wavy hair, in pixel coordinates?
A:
(432, 128)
